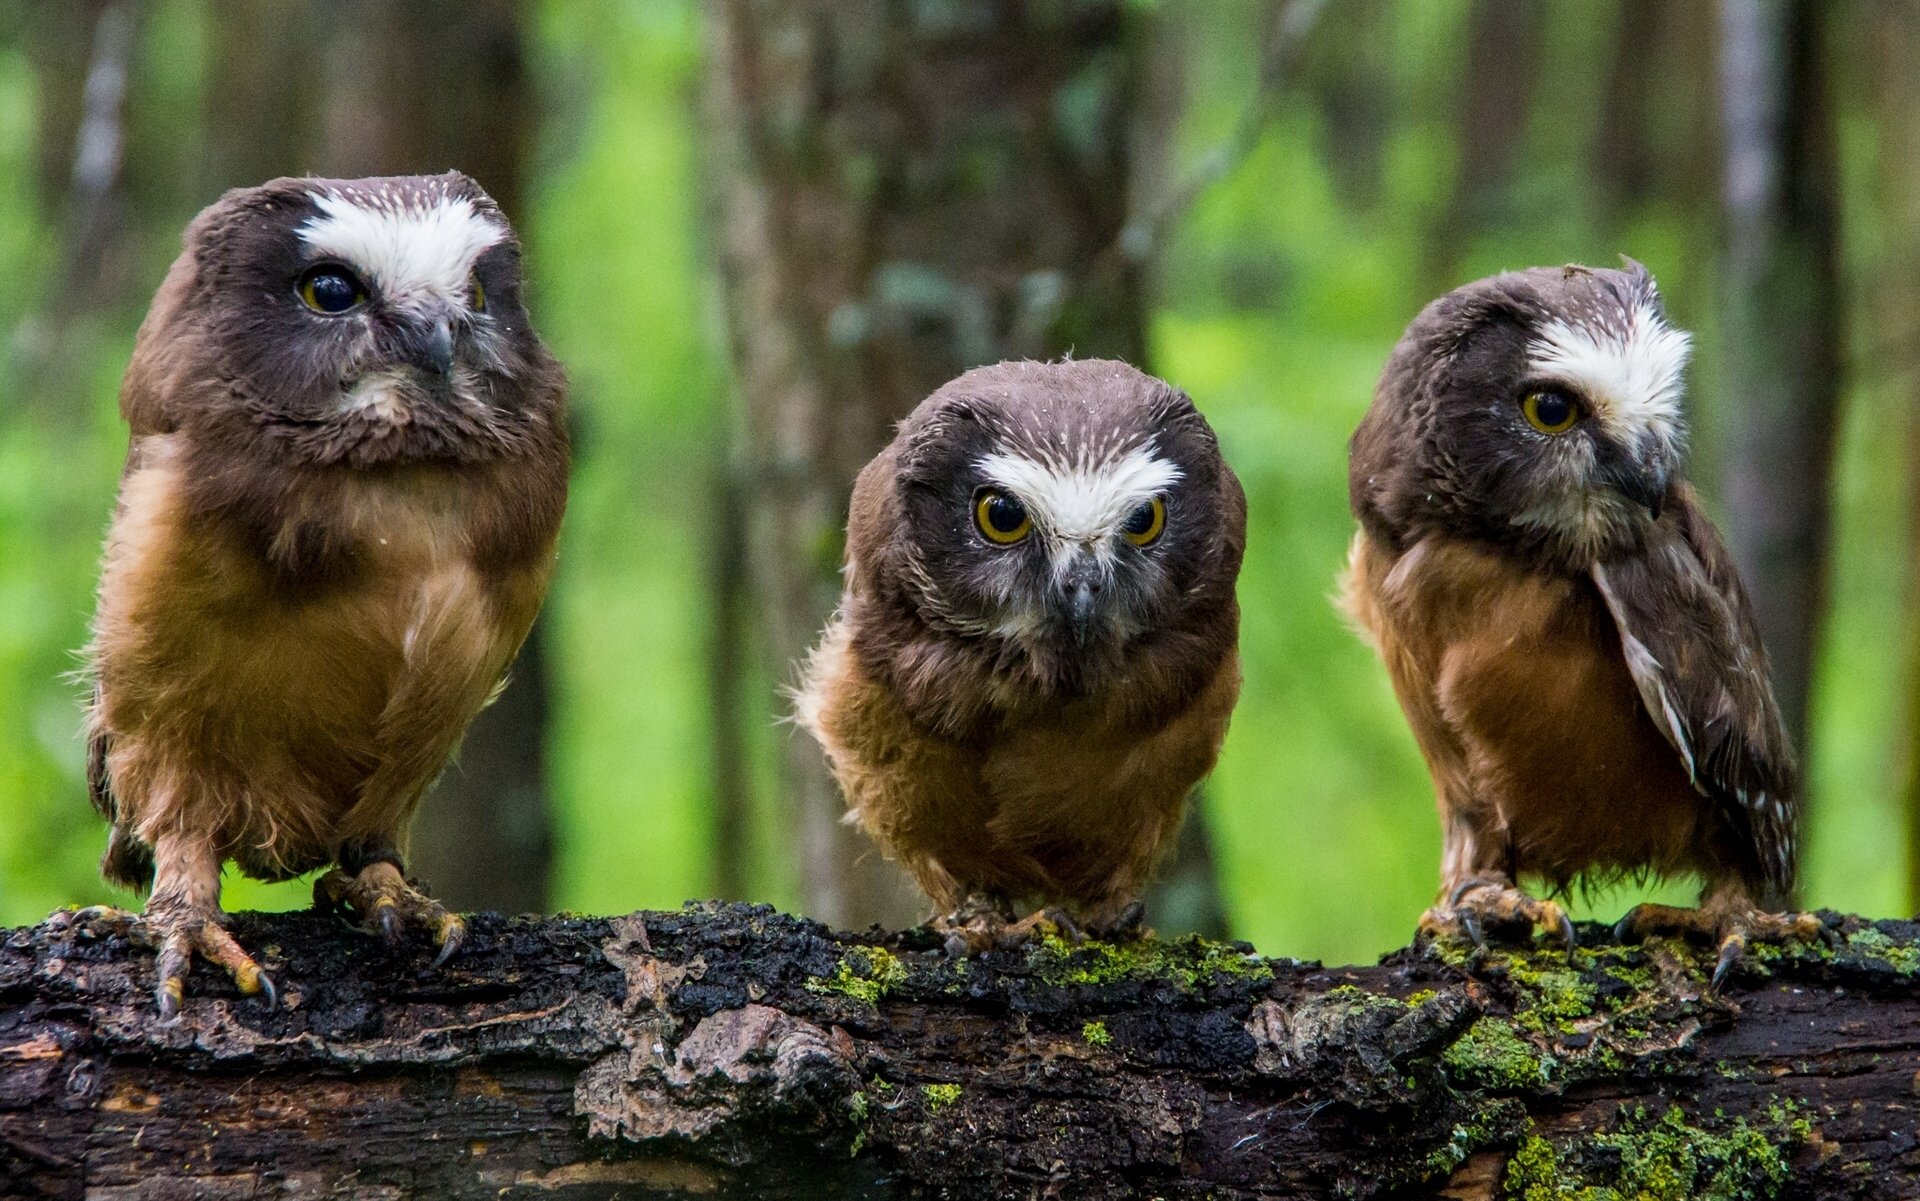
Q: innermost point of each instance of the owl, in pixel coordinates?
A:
(1568, 637)
(1035, 657)
(335, 526)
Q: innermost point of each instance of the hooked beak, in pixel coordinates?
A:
(1080, 597)
(1643, 483)
(429, 343)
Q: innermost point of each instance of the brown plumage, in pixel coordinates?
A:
(1567, 635)
(1022, 719)
(334, 529)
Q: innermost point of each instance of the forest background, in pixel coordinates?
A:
(758, 230)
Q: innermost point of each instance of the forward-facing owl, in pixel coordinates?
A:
(334, 529)
(1036, 654)
(1569, 638)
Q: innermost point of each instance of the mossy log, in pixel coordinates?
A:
(732, 1051)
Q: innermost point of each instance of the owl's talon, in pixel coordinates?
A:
(1468, 885)
(1470, 921)
(452, 932)
(1477, 904)
(387, 905)
(1123, 925)
(182, 933)
(1731, 949)
(1729, 923)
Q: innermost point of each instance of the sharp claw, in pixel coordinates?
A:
(1730, 952)
(1463, 888)
(171, 989)
(453, 932)
(1623, 929)
(1471, 921)
(391, 927)
(268, 992)
(1567, 933)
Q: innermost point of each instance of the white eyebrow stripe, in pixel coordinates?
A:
(1630, 372)
(411, 249)
(1082, 502)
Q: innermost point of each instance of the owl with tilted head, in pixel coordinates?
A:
(1567, 635)
(335, 526)
(1036, 655)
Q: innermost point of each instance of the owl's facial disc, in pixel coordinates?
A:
(1601, 401)
(404, 267)
(1091, 522)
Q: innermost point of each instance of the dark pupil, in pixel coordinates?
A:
(1005, 514)
(1141, 520)
(333, 293)
(1552, 409)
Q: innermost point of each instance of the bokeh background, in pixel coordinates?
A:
(759, 230)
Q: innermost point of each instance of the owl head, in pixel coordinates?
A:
(1538, 409)
(362, 321)
(1059, 513)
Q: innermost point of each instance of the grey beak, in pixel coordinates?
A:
(1080, 606)
(1080, 599)
(439, 346)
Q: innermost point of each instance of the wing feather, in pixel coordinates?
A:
(1692, 645)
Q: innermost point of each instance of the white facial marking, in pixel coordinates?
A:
(379, 394)
(1081, 504)
(1628, 367)
(414, 248)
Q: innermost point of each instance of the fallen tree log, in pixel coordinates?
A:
(732, 1051)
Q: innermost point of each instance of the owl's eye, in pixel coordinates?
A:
(479, 296)
(1144, 524)
(1001, 518)
(1551, 412)
(331, 289)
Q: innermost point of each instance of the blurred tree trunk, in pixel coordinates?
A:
(1782, 320)
(83, 56)
(349, 88)
(903, 191)
(1494, 99)
(1893, 46)
(1347, 72)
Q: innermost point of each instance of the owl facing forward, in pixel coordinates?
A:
(1567, 635)
(1036, 656)
(334, 529)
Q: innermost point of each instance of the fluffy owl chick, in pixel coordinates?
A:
(1568, 637)
(335, 526)
(1036, 654)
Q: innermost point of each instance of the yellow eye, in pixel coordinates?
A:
(1144, 524)
(1551, 412)
(331, 289)
(479, 296)
(1001, 518)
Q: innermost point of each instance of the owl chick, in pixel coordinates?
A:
(335, 526)
(1036, 654)
(1567, 635)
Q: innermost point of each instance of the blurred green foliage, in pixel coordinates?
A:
(1278, 300)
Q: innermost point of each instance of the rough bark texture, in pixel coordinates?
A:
(902, 191)
(731, 1051)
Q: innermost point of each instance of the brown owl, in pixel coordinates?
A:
(1036, 654)
(1569, 638)
(335, 526)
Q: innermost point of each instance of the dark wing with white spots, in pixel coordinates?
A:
(1693, 646)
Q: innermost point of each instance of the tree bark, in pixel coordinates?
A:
(902, 192)
(1782, 321)
(730, 1051)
